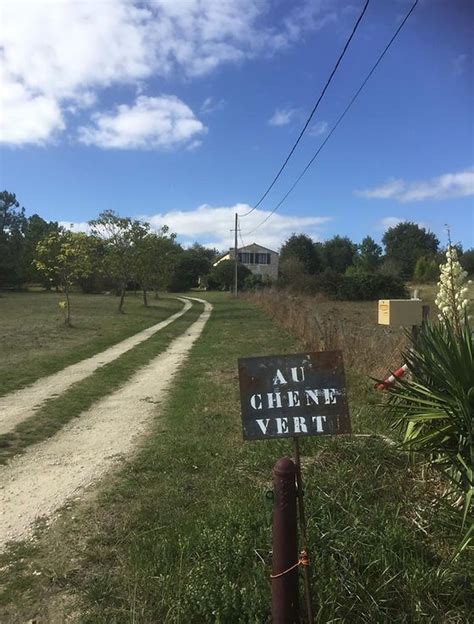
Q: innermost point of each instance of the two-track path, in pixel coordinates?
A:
(37, 483)
(21, 404)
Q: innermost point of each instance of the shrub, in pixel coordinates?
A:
(257, 282)
(222, 275)
(360, 286)
(370, 286)
(436, 406)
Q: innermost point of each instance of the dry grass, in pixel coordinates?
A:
(351, 326)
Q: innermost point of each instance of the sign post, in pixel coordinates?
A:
(290, 396)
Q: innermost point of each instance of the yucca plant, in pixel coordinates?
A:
(435, 407)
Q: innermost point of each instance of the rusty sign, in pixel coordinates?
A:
(302, 394)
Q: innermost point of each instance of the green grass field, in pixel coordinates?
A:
(35, 342)
(182, 533)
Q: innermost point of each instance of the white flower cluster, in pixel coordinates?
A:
(452, 289)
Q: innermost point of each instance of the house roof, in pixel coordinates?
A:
(254, 245)
(245, 248)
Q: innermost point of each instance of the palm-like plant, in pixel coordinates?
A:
(435, 406)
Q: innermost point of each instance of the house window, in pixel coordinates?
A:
(262, 258)
(246, 258)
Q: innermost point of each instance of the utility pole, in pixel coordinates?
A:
(236, 259)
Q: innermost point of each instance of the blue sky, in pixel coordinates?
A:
(182, 111)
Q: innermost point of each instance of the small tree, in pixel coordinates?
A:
(426, 270)
(120, 236)
(64, 257)
(153, 260)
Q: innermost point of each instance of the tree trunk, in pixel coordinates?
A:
(157, 296)
(145, 298)
(122, 297)
(68, 308)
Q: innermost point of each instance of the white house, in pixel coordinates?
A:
(260, 260)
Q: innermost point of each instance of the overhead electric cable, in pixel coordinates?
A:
(341, 117)
(315, 107)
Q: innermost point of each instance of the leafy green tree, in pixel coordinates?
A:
(35, 229)
(12, 223)
(301, 247)
(339, 253)
(120, 236)
(64, 257)
(222, 275)
(426, 270)
(191, 264)
(154, 258)
(369, 255)
(405, 243)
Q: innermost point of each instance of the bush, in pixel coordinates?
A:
(360, 286)
(257, 282)
(222, 275)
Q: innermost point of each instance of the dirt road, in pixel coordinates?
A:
(38, 483)
(21, 404)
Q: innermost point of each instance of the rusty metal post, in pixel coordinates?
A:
(285, 545)
(303, 540)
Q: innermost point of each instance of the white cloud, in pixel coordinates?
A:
(55, 51)
(319, 128)
(151, 123)
(211, 105)
(211, 225)
(446, 186)
(26, 117)
(389, 222)
(282, 116)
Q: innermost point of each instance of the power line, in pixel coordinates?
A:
(341, 117)
(315, 107)
(241, 239)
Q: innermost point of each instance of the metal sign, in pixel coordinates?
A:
(303, 394)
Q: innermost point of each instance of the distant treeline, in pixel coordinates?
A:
(120, 253)
(341, 269)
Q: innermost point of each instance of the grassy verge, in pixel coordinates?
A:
(57, 411)
(36, 343)
(183, 533)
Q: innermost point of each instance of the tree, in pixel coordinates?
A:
(405, 243)
(369, 255)
(64, 257)
(339, 253)
(426, 270)
(154, 258)
(191, 264)
(12, 223)
(302, 248)
(222, 275)
(120, 236)
(467, 261)
(35, 229)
